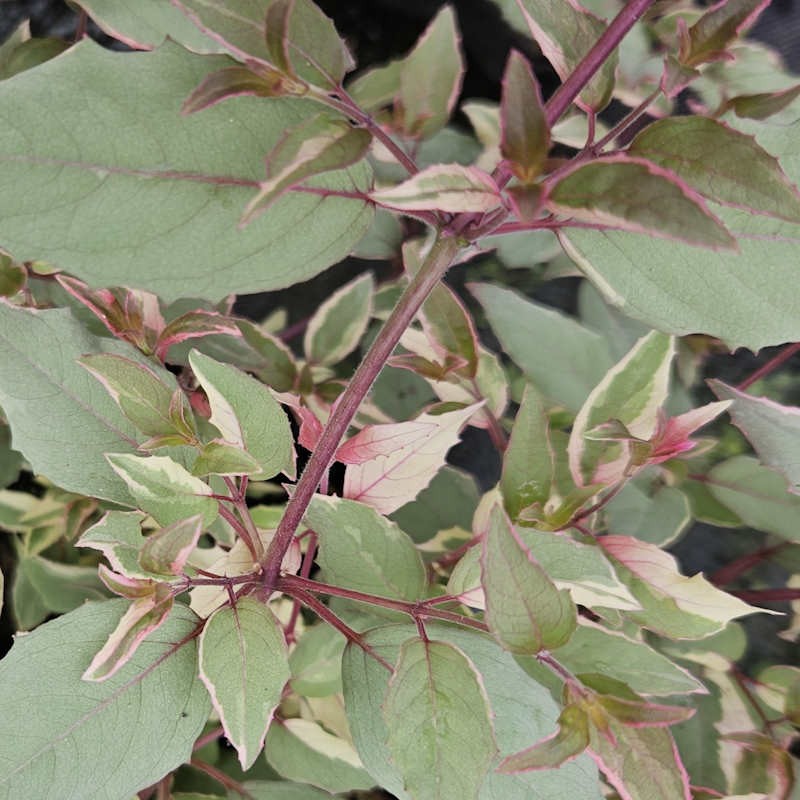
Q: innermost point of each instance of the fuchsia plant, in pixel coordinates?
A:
(384, 626)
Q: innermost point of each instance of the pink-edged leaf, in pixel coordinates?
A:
(166, 551)
(445, 187)
(672, 435)
(565, 31)
(676, 76)
(373, 441)
(261, 81)
(525, 201)
(525, 137)
(721, 24)
(641, 714)
(277, 367)
(762, 105)
(195, 325)
(569, 741)
(317, 145)
(303, 41)
(633, 194)
(118, 536)
(525, 611)
(659, 573)
(390, 481)
(773, 430)
(430, 78)
(720, 163)
(219, 457)
(131, 587)
(141, 619)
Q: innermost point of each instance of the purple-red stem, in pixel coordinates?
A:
(770, 366)
(436, 264)
(220, 777)
(727, 574)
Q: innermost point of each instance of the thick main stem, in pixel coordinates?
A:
(441, 256)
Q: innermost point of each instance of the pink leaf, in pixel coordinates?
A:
(382, 440)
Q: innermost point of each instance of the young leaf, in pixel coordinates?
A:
(524, 610)
(220, 458)
(528, 461)
(632, 393)
(304, 751)
(244, 665)
(118, 536)
(709, 37)
(445, 187)
(633, 194)
(155, 705)
(674, 605)
(720, 163)
(763, 104)
(261, 81)
(276, 367)
(143, 395)
(374, 441)
(360, 549)
(164, 489)
(194, 324)
(377, 87)
(388, 482)
(317, 145)
(639, 714)
(166, 551)
(339, 323)
(303, 41)
(430, 78)
(438, 720)
(566, 31)
(247, 415)
(165, 202)
(525, 136)
(570, 740)
(772, 429)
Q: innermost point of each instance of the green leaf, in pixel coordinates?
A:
(247, 415)
(304, 751)
(678, 290)
(570, 740)
(658, 519)
(377, 87)
(524, 712)
(525, 134)
(528, 468)
(316, 662)
(280, 790)
(439, 722)
(317, 145)
(60, 587)
(430, 77)
(62, 420)
(757, 495)
(220, 458)
(276, 366)
(595, 650)
(720, 163)
(632, 393)
(155, 707)
(301, 38)
(20, 54)
(562, 359)
(118, 536)
(633, 194)
(244, 665)
(763, 104)
(445, 187)
(166, 551)
(13, 276)
(360, 549)
(170, 201)
(164, 489)
(339, 324)
(772, 429)
(565, 31)
(524, 610)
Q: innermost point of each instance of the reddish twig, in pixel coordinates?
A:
(770, 366)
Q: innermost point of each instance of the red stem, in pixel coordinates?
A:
(219, 776)
(727, 574)
(770, 366)
(766, 595)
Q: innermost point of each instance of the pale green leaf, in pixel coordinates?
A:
(659, 518)
(60, 587)
(524, 610)
(445, 187)
(166, 551)
(678, 290)
(709, 37)
(633, 194)
(304, 751)
(260, 81)
(632, 393)
(164, 489)
(524, 712)
(247, 415)
(275, 364)
(757, 495)
(360, 549)
(316, 662)
(280, 790)
(20, 52)
(430, 77)
(115, 221)
(595, 650)
(772, 429)
(144, 720)
(10, 459)
(338, 325)
(562, 359)
(377, 87)
(720, 163)
(62, 420)
(220, 458)
(118, 536)
(244, 665)
(439, 722)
